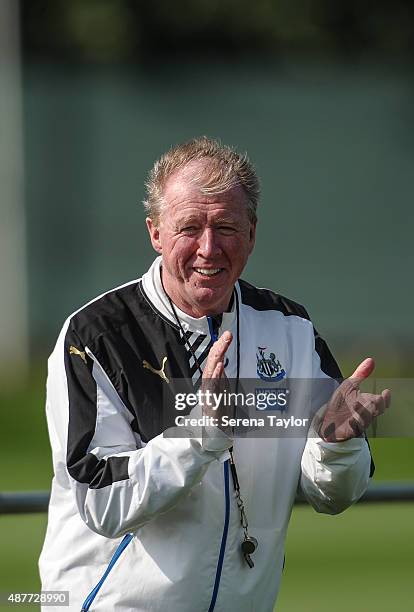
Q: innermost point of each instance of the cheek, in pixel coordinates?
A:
(185, 247)
(238, 252)
(238, 260)
(181, 252)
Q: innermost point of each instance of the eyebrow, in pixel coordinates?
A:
(232, 220)
(186, 220)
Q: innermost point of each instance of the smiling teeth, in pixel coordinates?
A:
(208, 272)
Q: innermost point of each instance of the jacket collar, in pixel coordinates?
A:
(151, 282)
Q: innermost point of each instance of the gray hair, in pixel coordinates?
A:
(225, 169)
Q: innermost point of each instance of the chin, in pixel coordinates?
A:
(209, 301)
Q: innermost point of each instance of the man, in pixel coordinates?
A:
(208, 513)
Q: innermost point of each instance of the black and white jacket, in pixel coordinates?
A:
(116, 473)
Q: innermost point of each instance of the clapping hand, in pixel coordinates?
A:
(214, 378)
(350, 412)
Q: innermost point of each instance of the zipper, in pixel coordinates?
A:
(214, 337)
(122, 546)
(213, 332)
(223, 537)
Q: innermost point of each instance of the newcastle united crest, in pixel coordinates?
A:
(268, 368)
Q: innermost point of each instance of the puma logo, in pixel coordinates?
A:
(160, 372)
(74, 351)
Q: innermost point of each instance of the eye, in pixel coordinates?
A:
(189, 229)
(227, 230)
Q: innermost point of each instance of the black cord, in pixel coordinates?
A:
(233, 469)
(237, 341)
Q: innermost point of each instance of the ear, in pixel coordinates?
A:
(252, 236)
(154, 233)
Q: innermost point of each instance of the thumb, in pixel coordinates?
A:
(364, 369)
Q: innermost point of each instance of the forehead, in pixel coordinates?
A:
(182, 194)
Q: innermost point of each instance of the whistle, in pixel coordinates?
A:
(248, 547)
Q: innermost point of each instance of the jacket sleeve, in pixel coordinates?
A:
(334, 475)
(119, 482)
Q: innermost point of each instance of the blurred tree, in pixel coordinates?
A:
(142, 31)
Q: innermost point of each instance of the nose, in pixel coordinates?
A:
(209, 244)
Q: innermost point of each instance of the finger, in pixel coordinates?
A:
(218, 370)
(216, 354)
(224, 341)
(375, 403)
(386, 394)
(220, 348)
(210, 383)
(369, 406)
(364, 369)
(379, 405)
(365, 409)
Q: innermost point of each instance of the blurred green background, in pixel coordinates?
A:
(320, 94)
(362, 559)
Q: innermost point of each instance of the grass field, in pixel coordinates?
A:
(361, 561)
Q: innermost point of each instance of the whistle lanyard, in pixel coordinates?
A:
(249, 544)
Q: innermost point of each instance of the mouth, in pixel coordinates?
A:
(208, 271)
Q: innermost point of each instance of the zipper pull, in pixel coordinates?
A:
(213, 328)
